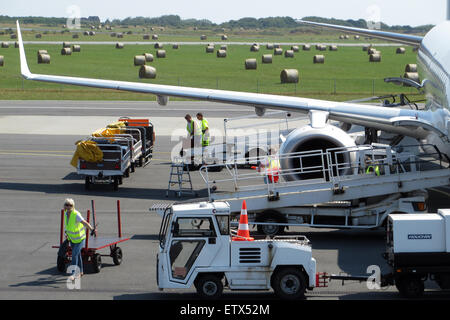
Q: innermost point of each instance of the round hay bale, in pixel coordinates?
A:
(86, 33)
(289, 76)
(119, 45)
(154, 37)
(347, 37)
(306, 47)
(250, 64)
(175, 46)
(160, 53)
(139, 60)
(341, 37)
(289, 54)
(209, 49)
(14, 36)
(267, 58)
(146, 37)
(148, 57)
(254, 48)
(91, 33)
(147, 72)
(5, 44)
(412, 75)
(319, 58)
(158, 45)
(203, 37)
(223, 47)
(113, 34)
(120, 35)
(2, 61)
(333, 48)
(365, 47)
(357, 37)
(400, 50)
(375, 57)
(371, 51)
(277, 52)
(38, 36)
(76, 48)
(295, 48)
(411, 67)
(66, 51)
(67, 44)
(75, 36)
(43, 58)
(224, 37)
(269, 46)
(322, 47)
(221, 53)
(42, 52)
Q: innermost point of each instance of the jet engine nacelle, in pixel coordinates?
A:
(308, 138)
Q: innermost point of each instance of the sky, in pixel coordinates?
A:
(392, 12)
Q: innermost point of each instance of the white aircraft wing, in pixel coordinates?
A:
(403, 121)
(391, 36)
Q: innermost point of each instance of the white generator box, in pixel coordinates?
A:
(428, 232)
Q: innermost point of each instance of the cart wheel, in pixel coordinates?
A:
(97, 262)
(209, 286)
(126, 174)
(289, 284)
(117, 256)
(87, 183)
(116, 184)
(410, 286)
(61, 264)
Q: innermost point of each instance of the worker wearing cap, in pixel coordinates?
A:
(75, 224)
(205, 129)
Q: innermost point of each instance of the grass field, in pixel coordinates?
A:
(346, 74)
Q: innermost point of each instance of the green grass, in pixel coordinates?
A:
(346, 74)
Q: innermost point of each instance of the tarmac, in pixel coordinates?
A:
(36, 145)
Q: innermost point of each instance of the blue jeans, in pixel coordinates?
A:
(77, 260)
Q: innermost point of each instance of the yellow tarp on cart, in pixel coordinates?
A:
(87, 150)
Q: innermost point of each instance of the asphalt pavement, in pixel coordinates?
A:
(36, 145)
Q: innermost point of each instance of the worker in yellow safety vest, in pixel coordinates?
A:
(272, 167)
(75, 232)
(372, 168)
(205, 129)
(195, 133)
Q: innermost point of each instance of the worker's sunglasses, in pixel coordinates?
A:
(67, 205)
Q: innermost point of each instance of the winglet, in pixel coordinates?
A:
(23, 59)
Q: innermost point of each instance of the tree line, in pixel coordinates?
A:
(246, 23)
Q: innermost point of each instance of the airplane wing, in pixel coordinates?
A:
(389, 119)
(391, 36)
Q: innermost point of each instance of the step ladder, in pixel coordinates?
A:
(180, 175)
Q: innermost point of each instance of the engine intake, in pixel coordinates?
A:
(308, 138)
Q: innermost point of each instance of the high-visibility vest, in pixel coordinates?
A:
(273, 169)
(205, 137)
(371, 169)
(190, 128)
(75, 230)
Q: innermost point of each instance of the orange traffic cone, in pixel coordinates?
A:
(243, 233)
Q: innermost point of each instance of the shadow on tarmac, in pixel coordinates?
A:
(98, 191)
